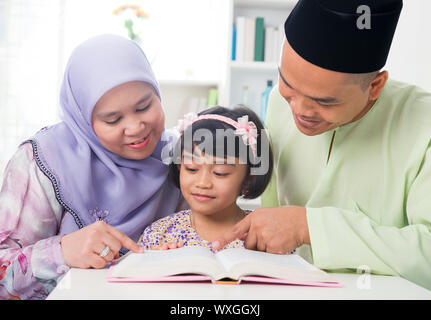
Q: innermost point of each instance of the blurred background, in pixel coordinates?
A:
(194, 47)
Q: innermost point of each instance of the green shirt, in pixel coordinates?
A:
(368, 204)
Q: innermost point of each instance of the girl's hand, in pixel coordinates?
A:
(82, 248)
(168, 245)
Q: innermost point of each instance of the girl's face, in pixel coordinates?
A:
(209, 187)
(129, 120)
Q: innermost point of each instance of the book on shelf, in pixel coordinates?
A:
(240, 32)
(196, 263)
(233, 43)
(259, 39)
(269, 44)
(253, 41)
(249, 37)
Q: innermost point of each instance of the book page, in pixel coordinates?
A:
(161, 263)
(241, 262)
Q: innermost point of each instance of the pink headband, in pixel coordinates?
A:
(246, 129)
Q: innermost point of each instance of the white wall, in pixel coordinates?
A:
(33, 47)
(410, 56)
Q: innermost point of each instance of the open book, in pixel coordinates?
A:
(198, 263)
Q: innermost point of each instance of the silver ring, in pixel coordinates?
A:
(105, 252)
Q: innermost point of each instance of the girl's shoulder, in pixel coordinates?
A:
(165, 229)
(172, 220)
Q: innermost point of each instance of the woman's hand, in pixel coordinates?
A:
(82, 248)
(168, 245)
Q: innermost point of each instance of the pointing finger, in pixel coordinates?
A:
(236, 232)
(125, 241)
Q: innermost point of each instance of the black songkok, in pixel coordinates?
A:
(351, 36)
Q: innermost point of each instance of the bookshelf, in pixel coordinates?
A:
(253, 66)
(186, 95)
(183, 96)
(252, 74)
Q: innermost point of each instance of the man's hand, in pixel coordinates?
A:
(274, 230)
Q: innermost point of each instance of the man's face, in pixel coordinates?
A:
(320, 99)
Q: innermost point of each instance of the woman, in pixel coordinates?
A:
(77, 192)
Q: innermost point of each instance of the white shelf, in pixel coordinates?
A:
(252, 74)
(254, 65)
(273, 4)
(191, 83)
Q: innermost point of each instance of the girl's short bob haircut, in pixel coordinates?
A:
(259, 168)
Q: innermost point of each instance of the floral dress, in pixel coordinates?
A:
(31, 258)
(177, 228)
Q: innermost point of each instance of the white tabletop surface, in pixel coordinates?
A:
(92, 284)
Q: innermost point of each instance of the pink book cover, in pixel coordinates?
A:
(243, 280)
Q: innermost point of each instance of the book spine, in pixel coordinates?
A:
(250, 29)
(259, 40)
(269, 44)
(233, 43)
(240, 41)
(280, 40)
(212, 97)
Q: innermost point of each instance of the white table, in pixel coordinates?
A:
(92, 284)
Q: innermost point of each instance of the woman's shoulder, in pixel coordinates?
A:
(22, 157)
(21, 165)
(24, 162)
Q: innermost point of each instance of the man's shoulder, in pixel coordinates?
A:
(410, 104)
(279, 114)
(276, 101)
(406, 115)
(405, 93)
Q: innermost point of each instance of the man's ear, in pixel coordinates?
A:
(377, 84)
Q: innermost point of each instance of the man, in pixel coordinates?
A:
(352, 149)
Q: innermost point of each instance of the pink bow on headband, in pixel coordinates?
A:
(246, 129)
(184, 123)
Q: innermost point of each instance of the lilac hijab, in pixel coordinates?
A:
(89, 181)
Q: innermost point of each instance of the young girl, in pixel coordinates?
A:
(211, 175)
(77, 192)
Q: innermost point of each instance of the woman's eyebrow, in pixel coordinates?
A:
(113, 113)
(144, 98)
(107, 114)
(317, 99)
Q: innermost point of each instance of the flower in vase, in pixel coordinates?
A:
(133, 14)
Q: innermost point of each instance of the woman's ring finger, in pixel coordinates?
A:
(105, 252)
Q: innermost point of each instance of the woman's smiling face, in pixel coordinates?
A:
(129, 120)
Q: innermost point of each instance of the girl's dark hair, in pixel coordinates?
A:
(253, 184)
